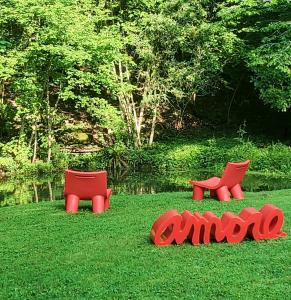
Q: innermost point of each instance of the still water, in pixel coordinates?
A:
(27, 190)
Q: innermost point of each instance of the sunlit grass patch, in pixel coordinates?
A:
(46, 253)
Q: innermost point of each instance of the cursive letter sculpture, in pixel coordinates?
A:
(174, 227)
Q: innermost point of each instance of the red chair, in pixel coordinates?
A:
(86, 186)
(224, 187)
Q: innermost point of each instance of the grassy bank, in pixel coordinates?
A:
(213, 153)
(47, 254)
(176, 153)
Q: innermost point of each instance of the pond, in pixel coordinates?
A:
(27, 190)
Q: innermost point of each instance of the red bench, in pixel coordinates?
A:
(86, 186)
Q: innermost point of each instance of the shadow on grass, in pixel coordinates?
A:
(145, 240)
(83, 207)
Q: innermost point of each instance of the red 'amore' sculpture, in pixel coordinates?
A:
(174, 227)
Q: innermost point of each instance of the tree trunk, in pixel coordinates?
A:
(50, 191)
(34, 156)
(49, 127)
(128, 106)
(233, 98)
(123, 103)
(33, 142)
(2, 92)
(154, 120)
(136, 136)
(139, 126)
(35, 192)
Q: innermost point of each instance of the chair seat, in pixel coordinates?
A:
(210, 183)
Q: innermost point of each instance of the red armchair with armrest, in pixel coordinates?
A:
(86, 186)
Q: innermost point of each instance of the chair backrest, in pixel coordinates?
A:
(234, 173)
(85, 184)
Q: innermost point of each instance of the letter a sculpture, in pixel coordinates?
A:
(172, 227)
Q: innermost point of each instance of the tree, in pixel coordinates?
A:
(192, 51)
(171, 54)
(264, 28)
(58, 51)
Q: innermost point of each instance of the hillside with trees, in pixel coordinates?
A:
(84, 76)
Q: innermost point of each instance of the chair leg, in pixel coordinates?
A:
(72, 203)
(237, 192)
(106, 203)
(107, 200)
(223, 194)
(198, 193)
(213, 194)
(98, 204)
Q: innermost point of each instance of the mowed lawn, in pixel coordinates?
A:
(47, 254)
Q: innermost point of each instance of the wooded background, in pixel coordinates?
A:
(95, 74)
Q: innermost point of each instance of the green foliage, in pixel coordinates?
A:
(264, 29)
(87, 162)
(39, 168)
(182, 154)
(241, 132)
(15, 194)
(114, 70)
(116, 156)
(58, 52)
(16, 150)
(7, 115)
(192, 51)
(105, 115)
(213, 154)
(271, 65)
(7, 165)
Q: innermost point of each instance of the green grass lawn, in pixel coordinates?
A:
(46, 253)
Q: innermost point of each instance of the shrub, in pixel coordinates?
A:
(7, 165)
(38, 168)
(17, 150)
(212, 154)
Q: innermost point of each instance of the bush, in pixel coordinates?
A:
(17, 150)
(7, 165)
(38, 168)
(178, 154)
(213, 154)
(87, 162)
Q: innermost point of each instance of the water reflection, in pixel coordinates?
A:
(27, 190)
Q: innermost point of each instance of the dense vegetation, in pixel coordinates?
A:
(110, 255)
(114, 75)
